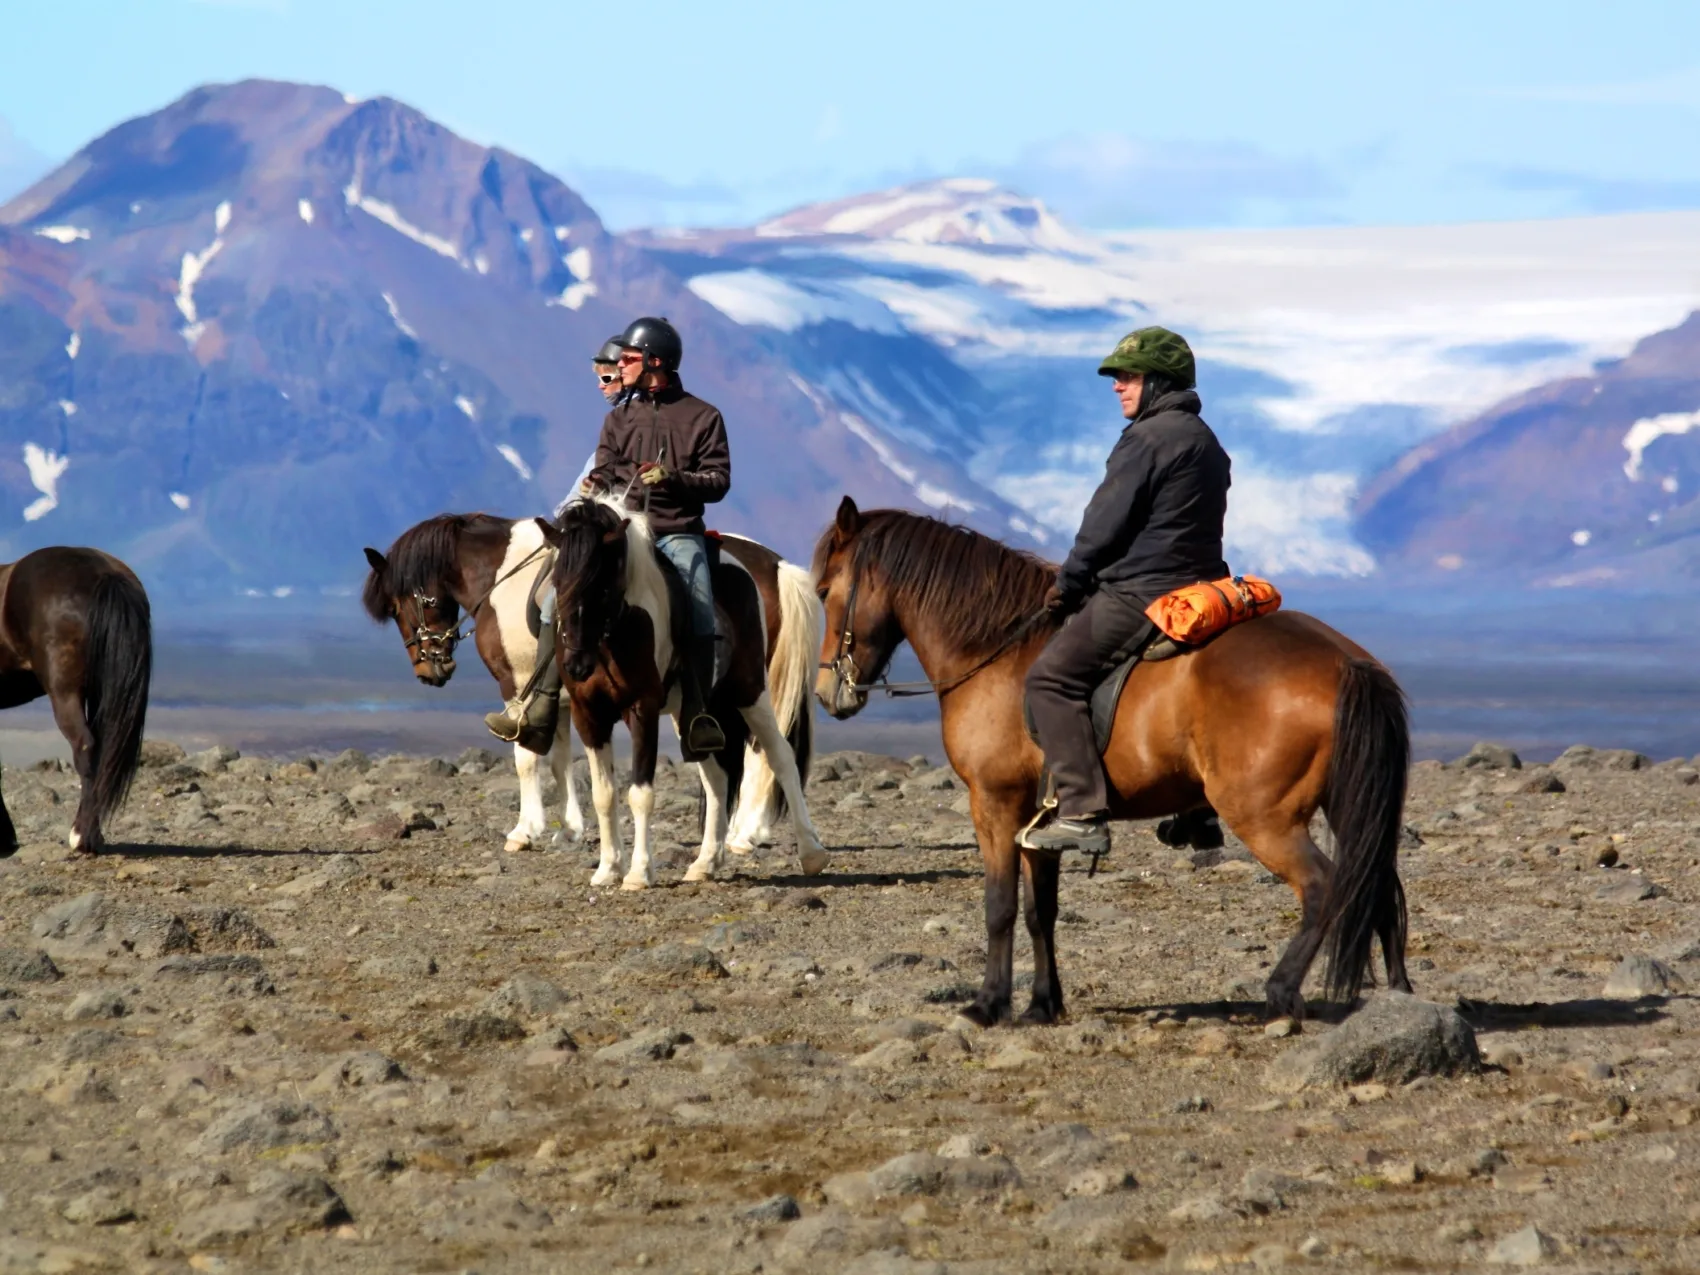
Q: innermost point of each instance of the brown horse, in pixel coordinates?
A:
(616, 648)
(1269, 723)
(75, 627)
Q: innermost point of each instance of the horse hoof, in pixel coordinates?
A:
(697, 872)
(985, 1015)
(1037, 1015)
(513, 845)
(602, 876)
(1284, 1005)
(814, 862)
(740, 848)
(634, 883)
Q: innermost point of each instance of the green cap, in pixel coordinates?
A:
(1153, 350)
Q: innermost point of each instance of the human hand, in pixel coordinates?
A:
(587, 486)
(653, 474)
(1057, 602)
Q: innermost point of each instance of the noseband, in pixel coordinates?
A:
(435, 647)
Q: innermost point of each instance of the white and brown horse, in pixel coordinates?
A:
(617, 648)
(455, 563)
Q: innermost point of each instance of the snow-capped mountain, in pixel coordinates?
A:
(967, 321)
(267, 325)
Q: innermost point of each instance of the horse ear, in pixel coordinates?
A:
(375, 559)
(551, 533)
(849, 517)
(616, 535)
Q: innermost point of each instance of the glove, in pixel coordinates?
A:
(1059, 603)
(654, 474)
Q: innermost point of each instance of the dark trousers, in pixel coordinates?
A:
(1108, 630)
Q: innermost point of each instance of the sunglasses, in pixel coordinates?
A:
(607, 378)
(631, 356)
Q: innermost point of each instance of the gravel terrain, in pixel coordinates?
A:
(309, 1017)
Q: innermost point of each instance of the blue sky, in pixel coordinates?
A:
(1119, 114)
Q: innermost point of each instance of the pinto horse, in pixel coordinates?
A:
(617, 644)
(75, 626)
(486, 565)
(1270, 722)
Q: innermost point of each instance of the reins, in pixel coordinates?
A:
(442, 642)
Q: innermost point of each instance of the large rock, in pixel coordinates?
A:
(1394, 1038)
(1488, 756)
(96, 923)
(1529, 1247)
(668, 962)
(527, 995)
(279, 1203)
(264, 1125)
(20, 966)
(1638, 976)
(1581, 757)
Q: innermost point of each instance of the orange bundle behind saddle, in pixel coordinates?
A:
(1198, 612)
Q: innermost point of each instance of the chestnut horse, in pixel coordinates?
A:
(1268, 723)
(617, 646)
(75, 626)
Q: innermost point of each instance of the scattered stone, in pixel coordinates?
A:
(1581, 757)
(1543, 782)
(34, 966)
(99, 1003)
(1638, 976)
(1267, 1190)
(1206, 1208)
(103, 1206)
(918, 1173)
(230, 928)
(338, 870)
(669, 962)
(833, 1237)
(1628, 889)
(93, 922)
(279, 1203)
(160, 752)
(887, 1055)
(264, 1125)
(776, 1208)
(1394, 1038)
(1013, 1056)
(212, 760)
(1529, 1247)
(366, 1069)
(384, 825)
(527, 995)
(469, 1031)
(657, 1044)
(1489, 756)
(1095, 1182)
(1281, 1028)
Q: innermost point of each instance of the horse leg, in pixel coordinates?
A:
(1043, 872)
(765, 727)
(713, 820)
(607, 817)
(561, 764)
(996, 824)
(1291, 855)
(1393, 951)
(8, 833)
(529, 830)
(644, 724)
(68, 715)
(752, 825)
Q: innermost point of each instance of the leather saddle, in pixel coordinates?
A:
(1109, 691)
(679, 603)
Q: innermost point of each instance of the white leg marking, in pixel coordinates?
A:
(752, 824)
(641, 798)
(714, 819)
(529, 830)
(75, 839)
(763, 726)
(607, 817)
(561, 763)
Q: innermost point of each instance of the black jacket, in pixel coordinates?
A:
(683, 433)
(1155, 522)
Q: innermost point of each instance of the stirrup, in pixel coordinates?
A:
(505, 725)
(715, 742)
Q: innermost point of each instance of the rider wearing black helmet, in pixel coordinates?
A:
(667, 450)
(606, 364)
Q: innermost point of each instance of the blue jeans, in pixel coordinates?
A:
(689, 555)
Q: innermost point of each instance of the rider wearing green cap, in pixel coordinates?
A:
(1154, 524)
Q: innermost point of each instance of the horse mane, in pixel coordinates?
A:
(422, 558)
(974, 588)
(583, 524)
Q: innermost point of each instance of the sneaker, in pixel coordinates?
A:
(1090, 836)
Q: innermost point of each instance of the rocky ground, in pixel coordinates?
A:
(309, 1017)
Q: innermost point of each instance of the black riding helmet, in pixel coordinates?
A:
(657, 339)
(610, 351)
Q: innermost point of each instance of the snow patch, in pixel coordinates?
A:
(574, 295)
(221, 217)
(62, 234)
(755, 297)
(386, 213)
(561, 233)
(526, 234)
(179, 499)
(395, 317)
(466, 406)
(1649, 429)
(45, 470)
(516, 460)
(304, 207)
(578, 262)
(194, 265)
(73, 345)
(481, 263)
(68, 407)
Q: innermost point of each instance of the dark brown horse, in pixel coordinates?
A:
(75, 627)
(1269, 723)
(616, 646)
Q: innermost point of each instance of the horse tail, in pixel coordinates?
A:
(1366, 802)
(117, 667)
(790, 675)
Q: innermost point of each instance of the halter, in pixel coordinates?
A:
(843, 664)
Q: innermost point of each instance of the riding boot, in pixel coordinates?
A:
(530, 722)
(702, 735)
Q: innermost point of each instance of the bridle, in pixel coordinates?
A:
(435, 647)
(843, 662)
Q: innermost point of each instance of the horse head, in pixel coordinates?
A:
(423, 609)
(590, 582)
(862, 633)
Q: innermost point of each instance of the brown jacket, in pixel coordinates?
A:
(676, 429)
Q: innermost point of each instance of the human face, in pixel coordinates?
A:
(631, 367)
(608, 378)
(1129, 386)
